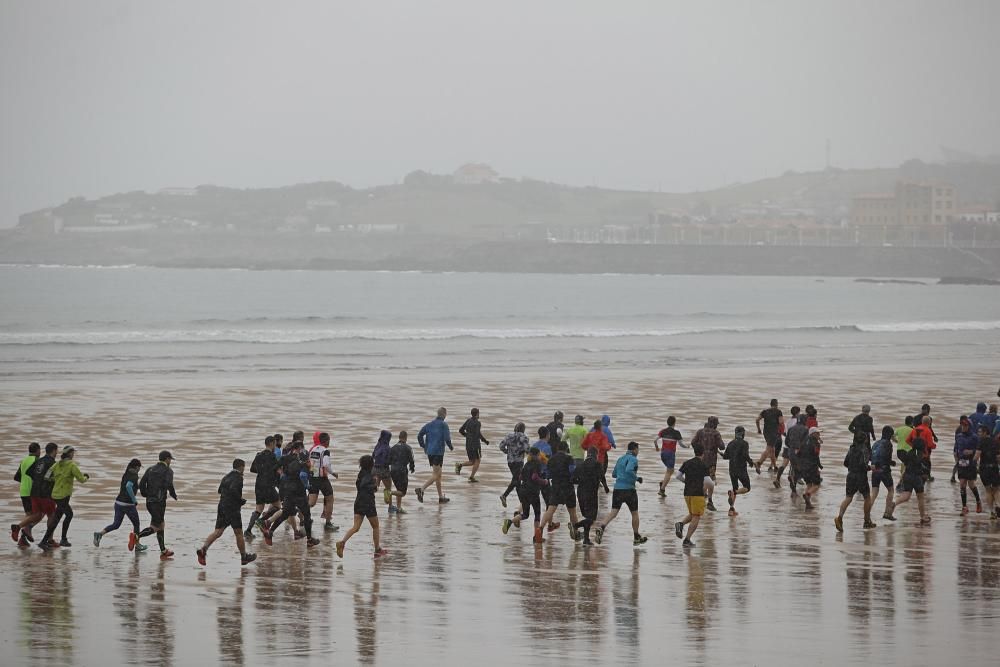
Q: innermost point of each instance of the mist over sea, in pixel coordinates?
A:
(132, 320)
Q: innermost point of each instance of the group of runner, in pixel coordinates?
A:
(565, 467)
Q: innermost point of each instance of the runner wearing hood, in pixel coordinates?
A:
(882, 470)
(856, 462)
(666, 443)
(966, 455)
(156, 484)
(126, 505)
(515, 445)
(711, 442)
(433, 437)
(738, 454)
(228, 514)
(364, 507)
(320, 472)
(380, 471)
(472, 431)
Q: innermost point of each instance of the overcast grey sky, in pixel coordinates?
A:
(101, 97)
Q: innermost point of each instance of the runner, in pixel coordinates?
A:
(530, 483)
(812, 416)
(588, 477)
(795, 438)
(666, 444)
(126, 505)
(544, 454)
(364, 507)
(42, 505)
(156, 484)
(265, 466)
(738, 454)
(966, 454)
(515, 445)
(693, 473)
(989, 470)
(573, 436)
(562, 493)
(433, 438)
(882, 470)
(295, 468)
(320, 472)
(555, 430)
(380, 473)
(856, 462)
(626, 475)
(808, 465)
(23, 476)
(62, 474)
(774, 422)
(400, 460)
(913, 480)
(711, 442)
(472, 430)
(229, 514)
(863, 423)
(596, 440)
(902, 444)
(925, 432)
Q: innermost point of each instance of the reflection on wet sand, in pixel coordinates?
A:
(47, 615)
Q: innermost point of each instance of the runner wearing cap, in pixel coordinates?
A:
(228, 514)
(156, 484)
(62, 474)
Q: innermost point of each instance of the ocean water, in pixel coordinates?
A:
(132, 320)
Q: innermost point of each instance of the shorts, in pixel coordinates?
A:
(365, 507)
(912, 483)
(266, 494)
(589, 505)
(26, 504)
(883, 477)
(400, 480)
(381, 474)
(967, 471)
(474, 452)
(563, 494)
(318, 485)
(435, 460)
(627, 497)
(785, 454)
(990, 474)
(858, 483)
(226, 517)
(773, 440)
(810, 476)
(156, 512)
(45, 506)
(695, 505)
(668, 458)
(738, 478)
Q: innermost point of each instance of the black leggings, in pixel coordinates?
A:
(529, 503)
(515, 474)
(292, 506)
(64, 512)
(122, 511)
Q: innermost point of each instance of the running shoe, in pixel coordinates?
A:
(993, 515)
(733, 512)
(573, 532)
(711, 506)
(888, 517)
(379, 553)
(757, 468)
(458, 468)
(687, 544)
(839, 523)
(392, 509)
(26, 533)
(133, 539)
(260, 524)
(661, 493)
(965, 510)
(141, 547)
(806, 497)
(330, 528)
(201, 553)
(387, 496)
(503, 501)
(732, 497)
(554, 526)
(299, 534)
(679, 530)
(505, 526)
(15, 531)
(777, 483)
(23, 542)
(443, 499)
(925, 521)
(979, 508)
(639, 541)
(420, 494)
(869, 525)
(538, 539)
(473, 480)
(247, 535)
(248, 558)
(166, 554)
(267, 538)
(599, 534)
(587, 543)
(311, 542)
(45, 545)
(340, 549)
(97, 539)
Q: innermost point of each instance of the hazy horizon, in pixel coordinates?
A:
(114, 96)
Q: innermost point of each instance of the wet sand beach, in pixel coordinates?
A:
(774, 585)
